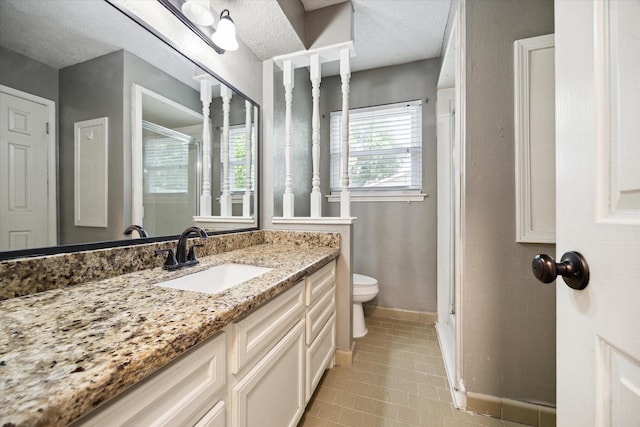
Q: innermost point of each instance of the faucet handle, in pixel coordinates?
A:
(191, 256)
(170, 263)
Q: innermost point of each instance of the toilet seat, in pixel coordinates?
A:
(364, 285)
(361, 279)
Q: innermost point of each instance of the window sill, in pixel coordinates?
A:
(381, 196)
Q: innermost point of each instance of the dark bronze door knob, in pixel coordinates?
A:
(572, 267)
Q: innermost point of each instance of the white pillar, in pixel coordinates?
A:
(345, 75)
(225, 198)
(316, 195)
(206, 83)
(287, 199)
(248, 126)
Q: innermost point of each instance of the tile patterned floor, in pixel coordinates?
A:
(397, 379)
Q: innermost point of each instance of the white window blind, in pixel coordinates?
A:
(385, 147)
(166, 165)
(237, 159)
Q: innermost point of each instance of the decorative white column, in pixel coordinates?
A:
(225, 198)
(287, 199)
(206, 83)
(345, 75)
(316, 195)
(248, 126)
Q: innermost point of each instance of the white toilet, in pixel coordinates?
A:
(365, 289)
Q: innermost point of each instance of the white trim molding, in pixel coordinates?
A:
(91, 172)
(325, 220)
(534, 97)
(381, 196)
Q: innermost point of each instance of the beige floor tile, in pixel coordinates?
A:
(397, 380)
(351, 417)
(329, 411)
(345, 399)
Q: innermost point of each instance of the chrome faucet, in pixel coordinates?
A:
(141, 231)
(182, 257)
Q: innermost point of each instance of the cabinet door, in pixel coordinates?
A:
(255, 334)
(272, 393)
(215, 417)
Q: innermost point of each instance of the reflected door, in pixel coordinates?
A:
(171, 180)
(24, 203)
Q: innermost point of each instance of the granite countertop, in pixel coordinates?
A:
(64, 351)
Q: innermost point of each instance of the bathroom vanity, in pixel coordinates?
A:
(124, 350)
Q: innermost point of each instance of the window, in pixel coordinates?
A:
(237, 159)
(166, 164)
(385, 148)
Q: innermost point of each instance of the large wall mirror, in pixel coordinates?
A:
(104, 125)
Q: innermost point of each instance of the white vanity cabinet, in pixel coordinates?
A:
(188, 391)
(280, 351)
(257, 372)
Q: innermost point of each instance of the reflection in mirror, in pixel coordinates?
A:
(69, 62)
(166, 162)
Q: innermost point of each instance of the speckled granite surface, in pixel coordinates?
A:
(27, 276)
(64, 351)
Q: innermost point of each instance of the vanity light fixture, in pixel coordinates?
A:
(225, 35)
(198, 12)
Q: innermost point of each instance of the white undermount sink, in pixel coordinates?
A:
(216, 279)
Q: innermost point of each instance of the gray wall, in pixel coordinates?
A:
(20, 72)
(508, 317)
(395, 242)
(90, 90)
(300, 140)
(101, 87)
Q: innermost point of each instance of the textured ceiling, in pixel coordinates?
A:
(262, 25)
(389, 32)
(65, 32)
(386, 32)
(319, 4)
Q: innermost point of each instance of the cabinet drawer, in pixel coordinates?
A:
(318, 314)
(272, 393)
(318, 283)
(179, 394)
(256, 334)
(320, 356)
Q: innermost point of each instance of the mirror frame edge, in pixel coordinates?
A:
(89, 246)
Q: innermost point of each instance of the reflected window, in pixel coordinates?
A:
(165, 160)
(238, 173)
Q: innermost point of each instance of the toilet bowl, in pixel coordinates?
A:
(365, 288)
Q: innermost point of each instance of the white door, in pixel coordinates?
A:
(598, 210)
(24, 172)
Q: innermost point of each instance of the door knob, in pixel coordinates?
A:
(572, 267)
